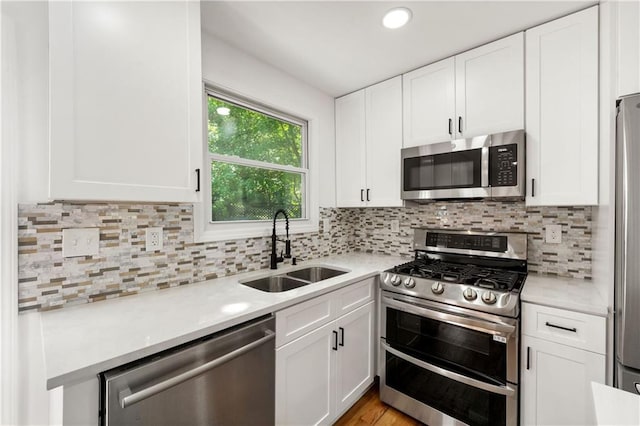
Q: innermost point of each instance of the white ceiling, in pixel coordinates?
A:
(341, 46)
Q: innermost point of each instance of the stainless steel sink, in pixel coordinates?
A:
(276, 283)
(293, 279)
(315, 273)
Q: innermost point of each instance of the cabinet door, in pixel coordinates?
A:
(556, 381)
(126, 100)
(354, 366)
(350, 150)
(628, 67)
(429, 103)
(304, 394)
(562, 111)
(384, 142)
(490, 88)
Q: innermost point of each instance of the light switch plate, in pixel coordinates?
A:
(553, 234)
(154, 239)
(326, 225)
(80, 242)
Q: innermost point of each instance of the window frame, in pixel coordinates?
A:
(207, 230)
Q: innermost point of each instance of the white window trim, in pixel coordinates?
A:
(207, 231)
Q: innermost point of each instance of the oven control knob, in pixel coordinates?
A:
(395, 280)
(409, 283)
(470, 294)
(489, 297)
(437, 288)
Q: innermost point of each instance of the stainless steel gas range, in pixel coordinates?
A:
(450, 328)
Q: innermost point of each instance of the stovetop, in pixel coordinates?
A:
(483, 271)
(469, 274)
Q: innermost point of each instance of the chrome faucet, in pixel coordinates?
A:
(275, 259)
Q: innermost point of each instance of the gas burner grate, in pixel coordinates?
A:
(474, 275)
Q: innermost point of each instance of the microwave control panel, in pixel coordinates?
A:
(503, 161)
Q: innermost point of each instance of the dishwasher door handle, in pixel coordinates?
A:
(127, 399)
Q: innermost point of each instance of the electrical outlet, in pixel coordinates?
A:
(326, 225)
(553, 234)
(395, 226)
(154, 239)
(80, 242)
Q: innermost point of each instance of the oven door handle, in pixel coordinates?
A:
(500, 390)
(497, 329)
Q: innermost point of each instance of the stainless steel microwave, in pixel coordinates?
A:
(489, 166)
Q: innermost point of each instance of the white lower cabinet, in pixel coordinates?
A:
(354, 357)
(562, 353)
(324, 372)
(304, 370)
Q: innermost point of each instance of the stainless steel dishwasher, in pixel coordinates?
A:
(227, 378)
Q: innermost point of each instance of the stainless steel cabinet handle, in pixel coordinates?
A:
(501, 390)
(362, 195)
(368, 194)
(450, 125)
(341, 336)
(528, 357)
(128, 400)
(197, 180)
(335, 340)
(572, 329)
(460, 124)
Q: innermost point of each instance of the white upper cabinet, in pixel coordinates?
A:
(429, 103)
(490, 88)
(125, 100)
(350, 150)
(562, 111)
(384, 142)
(368, 144)
(478, 92)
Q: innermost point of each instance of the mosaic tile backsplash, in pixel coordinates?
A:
(123, 267)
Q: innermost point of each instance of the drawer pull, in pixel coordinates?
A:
(573, 330)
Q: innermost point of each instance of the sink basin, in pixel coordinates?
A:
(293, 279)
(276, 283)
(315, 273)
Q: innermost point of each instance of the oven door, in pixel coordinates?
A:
(457, 169)
(440, 366)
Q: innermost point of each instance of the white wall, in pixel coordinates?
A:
(619, 75)
(32, 86)
(25, 73)
(236, 71)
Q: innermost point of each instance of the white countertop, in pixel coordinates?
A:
(81, 341)
(564, 293)
(614, 406)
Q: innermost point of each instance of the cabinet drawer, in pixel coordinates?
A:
(570, 328)
(354, 296)
(297, 320)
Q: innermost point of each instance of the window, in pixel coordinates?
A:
(258, 161)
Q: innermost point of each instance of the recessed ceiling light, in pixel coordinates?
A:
(223, 110)
(396, 18)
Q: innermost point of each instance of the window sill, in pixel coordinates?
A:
(233, 231)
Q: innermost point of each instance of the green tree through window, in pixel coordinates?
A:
(257, 163)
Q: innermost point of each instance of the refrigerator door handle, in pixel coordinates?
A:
(627, 236)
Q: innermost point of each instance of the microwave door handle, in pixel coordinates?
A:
(503, 330)
(501, 390)
(484, 177)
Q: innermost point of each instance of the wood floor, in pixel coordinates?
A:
(369, 410)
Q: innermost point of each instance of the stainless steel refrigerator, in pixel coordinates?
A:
(627, 257)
